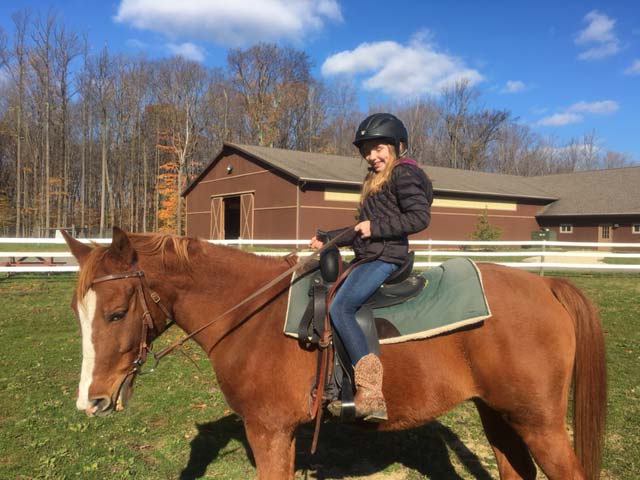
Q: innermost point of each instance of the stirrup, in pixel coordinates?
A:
(375, 416)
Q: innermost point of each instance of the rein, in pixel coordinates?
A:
(147, 318)
(165, 351)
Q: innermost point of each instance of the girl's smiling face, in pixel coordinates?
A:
(377, 154)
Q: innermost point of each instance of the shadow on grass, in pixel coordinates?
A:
(347, 451)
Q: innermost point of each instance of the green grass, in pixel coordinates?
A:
(178, 426)
(33, 247)
(621, 261)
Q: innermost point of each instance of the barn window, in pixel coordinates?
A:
(566, 228)
(635, 228)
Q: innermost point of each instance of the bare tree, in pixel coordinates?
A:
(67, 47)
(613, 159)
(84, 87)
(222, 110)
(590, 151)
(471, 128)
(41, 62)
(342, 118)
(456, 105)
(427, 136)
(103, 85)
(273, 84)
(15, 64)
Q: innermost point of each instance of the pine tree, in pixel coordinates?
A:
(484, 231)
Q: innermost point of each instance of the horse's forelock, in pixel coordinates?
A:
(88, 271)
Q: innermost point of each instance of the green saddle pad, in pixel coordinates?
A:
(452, 298)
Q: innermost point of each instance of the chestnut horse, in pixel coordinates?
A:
(517, 367)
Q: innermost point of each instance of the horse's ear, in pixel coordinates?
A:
(78, 249)
(121, 246)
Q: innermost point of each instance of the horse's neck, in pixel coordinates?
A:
(214, 291)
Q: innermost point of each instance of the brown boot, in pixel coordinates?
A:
(370, 404)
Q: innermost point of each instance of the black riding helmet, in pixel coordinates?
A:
(382, 126)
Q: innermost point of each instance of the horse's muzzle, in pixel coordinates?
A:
(99, 406)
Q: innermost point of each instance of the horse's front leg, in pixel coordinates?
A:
(273, 448)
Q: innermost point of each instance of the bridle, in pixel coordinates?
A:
(148, 324)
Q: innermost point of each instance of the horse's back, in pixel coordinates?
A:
(526, 348)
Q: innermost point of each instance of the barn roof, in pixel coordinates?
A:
(336, 169)
(614, 191)
(595, 192)
(307, 166)
(453, 180)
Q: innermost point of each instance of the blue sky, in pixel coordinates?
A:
(563, 68)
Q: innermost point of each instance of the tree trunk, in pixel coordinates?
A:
(145, 183)
(19, 165)
(47, 171)
(83, 163)
(103, 184)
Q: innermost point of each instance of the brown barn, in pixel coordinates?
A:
(267, 193)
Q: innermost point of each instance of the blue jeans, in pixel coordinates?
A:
(359, 285)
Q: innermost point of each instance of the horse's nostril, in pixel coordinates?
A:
(99, 405)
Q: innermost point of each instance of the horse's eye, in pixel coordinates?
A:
(115, 316)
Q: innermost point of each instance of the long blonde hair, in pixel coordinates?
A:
(374, 181)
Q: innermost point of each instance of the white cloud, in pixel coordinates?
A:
(599, 35)
(406, 70)
(136, 44)
(187, 50)
(539, 110)
(602, 51)
(575, 112)
(565, 118)
(634, 68)
(230, 22)
(600, 29)
(603, 107)
(513, 86)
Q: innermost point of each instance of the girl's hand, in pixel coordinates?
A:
(315, 243)
(364, 228)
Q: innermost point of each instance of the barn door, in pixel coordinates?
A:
(605, 235)
(246, 216)
(217, 219)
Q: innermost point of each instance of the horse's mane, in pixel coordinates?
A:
(158, 243)
(183, 248)
(176, 252)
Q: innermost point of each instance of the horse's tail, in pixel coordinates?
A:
(589, 376)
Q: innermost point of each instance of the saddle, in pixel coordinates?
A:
(399, 287)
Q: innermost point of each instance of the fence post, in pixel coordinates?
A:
(544, 249)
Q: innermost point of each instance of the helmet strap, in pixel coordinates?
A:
(400, 154)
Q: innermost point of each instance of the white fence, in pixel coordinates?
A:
(539, 255)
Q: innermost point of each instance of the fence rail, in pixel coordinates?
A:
(548, 255)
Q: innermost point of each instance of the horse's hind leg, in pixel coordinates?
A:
(551, 448)
(273, 449)
(512, 455)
